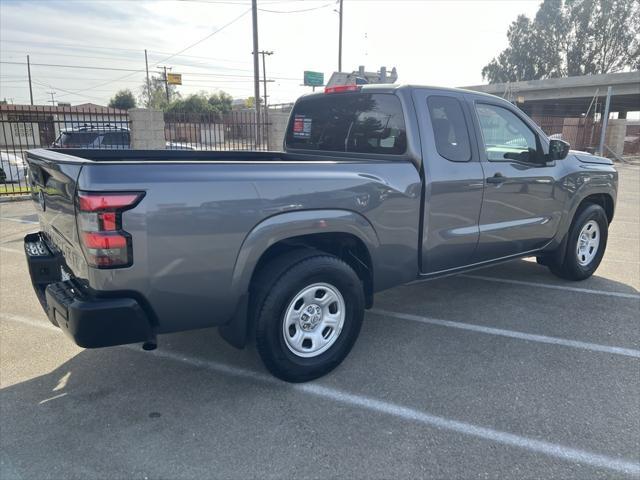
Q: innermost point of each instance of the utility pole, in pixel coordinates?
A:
(340, 40)
(605, 121)
(264, 76)
(166, 84)
(53, 100)
(266, 106)
(256, 68)
(146, 64)
(29, 73)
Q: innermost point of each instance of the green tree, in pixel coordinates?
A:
(569, 37)
(155, 95)
(201, 102)
(123, 99)
(194, 103)
(250, 102)
(221, 102)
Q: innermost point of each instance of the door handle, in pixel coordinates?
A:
(497, 178)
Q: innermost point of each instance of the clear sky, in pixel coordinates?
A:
(435, 42)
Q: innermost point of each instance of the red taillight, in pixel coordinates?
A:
(342, 88)
(104, 242)
(94, 202)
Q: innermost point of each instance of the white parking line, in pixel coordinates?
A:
(396, 410)
(555, 287)
(594, 347)
(19, 220)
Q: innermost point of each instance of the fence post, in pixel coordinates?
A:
(605, 121)
(147, 129)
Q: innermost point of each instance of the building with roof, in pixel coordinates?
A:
(30, 126)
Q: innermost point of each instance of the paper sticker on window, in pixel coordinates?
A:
(301, 126)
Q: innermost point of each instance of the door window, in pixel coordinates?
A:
(449, 128)
(506, 137)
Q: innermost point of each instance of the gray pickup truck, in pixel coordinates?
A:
(378, 186)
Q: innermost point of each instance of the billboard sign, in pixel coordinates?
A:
(174, 78)
(313, 79)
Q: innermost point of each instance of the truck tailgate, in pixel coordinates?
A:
(53, 193)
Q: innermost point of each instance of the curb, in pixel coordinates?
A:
(14, 198)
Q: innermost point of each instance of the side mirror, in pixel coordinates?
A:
(558, 149)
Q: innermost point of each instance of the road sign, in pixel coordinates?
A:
(174, 78)
(313, 79)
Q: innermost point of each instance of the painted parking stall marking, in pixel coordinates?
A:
(594, 347)
(555, 287)
(392, 409)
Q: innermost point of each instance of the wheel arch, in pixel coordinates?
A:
(605, 200)
(342, 233)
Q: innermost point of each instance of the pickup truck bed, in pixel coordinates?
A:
(207, 217)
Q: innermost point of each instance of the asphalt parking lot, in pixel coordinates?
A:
(506, 372)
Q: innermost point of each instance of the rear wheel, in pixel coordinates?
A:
(309, 318)
(586, 243)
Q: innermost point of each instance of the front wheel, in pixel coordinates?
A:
(310, 318)
(586, 243)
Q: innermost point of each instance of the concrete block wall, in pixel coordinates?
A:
(147, 129)
(277, 128)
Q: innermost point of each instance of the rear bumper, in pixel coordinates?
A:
(89, 320)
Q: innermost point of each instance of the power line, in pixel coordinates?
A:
(163, 60)
(64, 47)
(296, 11)
(70, 66)
(87, 67)
(205, 38)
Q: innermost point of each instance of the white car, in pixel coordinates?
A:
(12, 168)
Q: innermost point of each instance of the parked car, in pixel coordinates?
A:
(94, 136)
(12, 168)
(108, 137)
(378, 186)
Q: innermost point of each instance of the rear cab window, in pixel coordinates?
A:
(360, 122)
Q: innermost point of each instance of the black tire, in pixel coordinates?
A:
(270, 342)
(570, 268)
